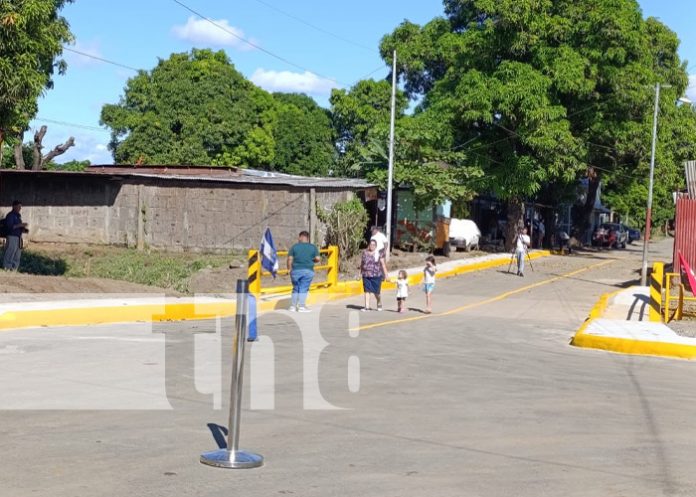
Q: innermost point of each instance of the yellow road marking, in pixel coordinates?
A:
(490, 300)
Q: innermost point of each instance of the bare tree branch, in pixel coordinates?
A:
(58, 150)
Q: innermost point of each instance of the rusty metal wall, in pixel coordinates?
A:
(685, 233)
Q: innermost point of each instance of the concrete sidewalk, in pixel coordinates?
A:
(619, 322)
(68, 310)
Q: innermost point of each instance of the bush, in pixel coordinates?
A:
(345, 226)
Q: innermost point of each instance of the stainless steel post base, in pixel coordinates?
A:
(239, 459)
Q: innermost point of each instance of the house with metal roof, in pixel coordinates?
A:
(188, 208)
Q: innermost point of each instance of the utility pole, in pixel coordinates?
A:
(391, 157)
(648, 211)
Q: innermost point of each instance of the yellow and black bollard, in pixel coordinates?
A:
(656, 283)
(254, 272)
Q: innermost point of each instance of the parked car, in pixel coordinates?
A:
(463, 233)
(612, 235)
(633, 234)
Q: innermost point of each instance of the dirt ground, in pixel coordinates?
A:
(31, 283)
(212, 279)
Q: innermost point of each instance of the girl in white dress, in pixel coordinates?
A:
(402, 290)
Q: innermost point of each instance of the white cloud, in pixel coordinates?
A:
(691, 90)
(287, 81)
(200, 31)
(77, 60)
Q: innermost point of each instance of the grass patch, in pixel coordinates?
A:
(160, 269)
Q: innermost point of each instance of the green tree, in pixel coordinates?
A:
(356, 113)
(424, 159)
(71, 165)
(192, 108)
(543, 89)
(303, 136)
(32, 34)
(8, 159)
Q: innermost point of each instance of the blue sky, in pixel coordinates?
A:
(137, 33)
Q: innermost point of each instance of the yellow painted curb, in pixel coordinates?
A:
(115, 314)
(185, 311)
(626, 345)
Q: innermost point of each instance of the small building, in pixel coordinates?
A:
(183, 208)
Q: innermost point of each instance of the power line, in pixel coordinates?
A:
(368, 74)
(254, 45)
(250, 43)
(85, 54)
(486, 145)
(313, 26)
(72, 125)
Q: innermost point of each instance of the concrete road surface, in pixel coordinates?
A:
(483, 398)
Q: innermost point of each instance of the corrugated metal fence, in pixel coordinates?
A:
(685, 233)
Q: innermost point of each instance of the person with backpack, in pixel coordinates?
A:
(14, 228)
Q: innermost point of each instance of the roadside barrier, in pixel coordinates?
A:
(231, 456)
(670, 297)
(255, 272)
(679, 297)
(656, 283)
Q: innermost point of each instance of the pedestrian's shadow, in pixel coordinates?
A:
(360, 308)
(509, 273)
(219, 434)
(416, 309)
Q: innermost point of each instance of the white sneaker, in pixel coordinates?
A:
(303, 309)
(292, 308)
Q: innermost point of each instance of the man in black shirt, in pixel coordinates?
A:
(13, 245)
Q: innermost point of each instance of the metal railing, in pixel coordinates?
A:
(255, 273)
(680, 298)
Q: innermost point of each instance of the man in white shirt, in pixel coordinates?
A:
(522, 242)
(381, 241)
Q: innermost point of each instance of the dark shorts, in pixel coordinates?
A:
(372, 284)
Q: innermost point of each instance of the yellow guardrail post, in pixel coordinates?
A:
(668, 298)
(656, 281)
(254, 272)
(332, 276)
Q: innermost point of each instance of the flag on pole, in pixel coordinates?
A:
(253, 328)
(269, 255)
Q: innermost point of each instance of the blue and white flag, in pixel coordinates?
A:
(269, 255)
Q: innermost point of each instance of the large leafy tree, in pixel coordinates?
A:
(424, 159)
(542, 89)
(32, 34)
(356, 113)
(192, 108)
(303, 136)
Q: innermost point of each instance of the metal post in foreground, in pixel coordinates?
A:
(648, 211)
(232, 457)
(390, 174)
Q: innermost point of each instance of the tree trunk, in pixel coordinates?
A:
(515, 219)
(38, 145)
(19, 152)
(585, 220)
